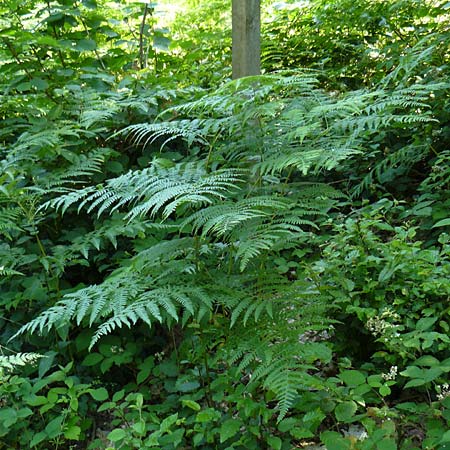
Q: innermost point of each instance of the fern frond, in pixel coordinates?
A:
(154, 189)
(8, 272)
(9, 219)
(162, 251)
(119, 302)
(394, 164)
(10, 362)
(263, 238)
(145, 134)
(222, 219)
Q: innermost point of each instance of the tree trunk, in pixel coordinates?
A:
(246, 38)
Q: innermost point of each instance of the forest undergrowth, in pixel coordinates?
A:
(189, 261)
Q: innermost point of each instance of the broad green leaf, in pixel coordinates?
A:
(92, 359)
(375, 380)
(8, 417)
(46, 363)
(106, 406)
(385, 390)
(100, 394)
(167, 423)
(301, 433)
(36, 400)
(413, 372)
(39, 84)
(24, 412)
(38, 438)
(286, 424)
(427, 360)
(139, 427)
(85, 45)
(432, 373)
(352, 377)
(345, 411)
(387, 444)
(445, 437)
(425, 323)
(335, 441)
(73, 432)
(191, 404)
(143, 374)
(229, 428)
(207, 415)
(54, 427)
(161, 43)
(187, 386)
(442, 223)
(274, 442)
(415, 383)
(119, 395)
(117, 435)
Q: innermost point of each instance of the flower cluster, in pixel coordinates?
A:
(382, 324)
(444, 391)
(391, 375)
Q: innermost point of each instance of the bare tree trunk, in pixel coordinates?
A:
(246, 38)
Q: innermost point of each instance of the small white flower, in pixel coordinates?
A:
(444, 391)
(391, 375)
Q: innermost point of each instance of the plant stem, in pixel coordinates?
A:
(142, 62)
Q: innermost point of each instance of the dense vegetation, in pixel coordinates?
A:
(192, 262)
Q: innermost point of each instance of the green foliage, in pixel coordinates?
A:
(193, 262)
(9, 362)
(52, 409)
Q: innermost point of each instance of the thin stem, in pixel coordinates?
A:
(175, 349)
(97, 54)
(56, 36)
(142, 63)
(211, 147)
(16, 56)
(208, 378)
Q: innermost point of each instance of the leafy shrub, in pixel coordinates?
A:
(250, 264)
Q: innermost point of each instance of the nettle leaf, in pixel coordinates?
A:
(345, 411)
(413, 372)
(352, 378)
(425, 323)
(117, 435)
(427, 360)
(229, 428)
(99, 394)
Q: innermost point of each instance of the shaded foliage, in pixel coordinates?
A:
(188, 261)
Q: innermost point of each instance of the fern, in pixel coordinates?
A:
(155, 189)
(7, 272)
(10, 362)
(222, 219)
(145, 134)
(275, 352)
(121, 301)
(201, 235)
(9, 219)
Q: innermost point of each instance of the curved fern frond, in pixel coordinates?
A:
(10, 362)
(224, 218)
(154, 190)
(145, 134)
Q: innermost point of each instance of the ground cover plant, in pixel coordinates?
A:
(188, 261)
